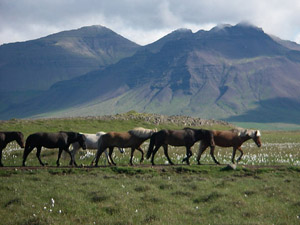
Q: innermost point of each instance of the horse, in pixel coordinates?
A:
(232, 138)
(61, 140)
(185, 137)
(91, 143)
(132, 139)
(7, 137)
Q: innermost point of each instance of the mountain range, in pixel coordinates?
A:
(233, 73)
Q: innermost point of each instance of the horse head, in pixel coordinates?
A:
(20, 139)
(256, 138)
(81, 140)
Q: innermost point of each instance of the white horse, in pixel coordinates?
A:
(91, 143)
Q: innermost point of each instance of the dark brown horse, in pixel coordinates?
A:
(61, 140)
(232, 138)
(131, 139)
(186, 137)
(7, 137)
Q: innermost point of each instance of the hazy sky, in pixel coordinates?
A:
(144, 21)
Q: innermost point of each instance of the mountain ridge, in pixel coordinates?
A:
(224, 73)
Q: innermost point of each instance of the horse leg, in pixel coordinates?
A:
(27, 150)
(131, 156)
(188, 155)
(212, 149)
(202, 148)
(153, 154)
(73, 152)
(38, 155)
(110, 155)
(97, 156)
(242, 153)
(72, 156)
(233, 155)
(58, 158)
(141, 150)
(107, 157)
(166, 154)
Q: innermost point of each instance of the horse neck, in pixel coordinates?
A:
(72, 137)
(199, 135)
(11, 136)
(245, 138)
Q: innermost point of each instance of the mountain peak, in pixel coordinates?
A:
(240, 27)
(182, 30)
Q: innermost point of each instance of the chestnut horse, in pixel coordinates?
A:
(232, 138)
(7, 137)
(185, 137)
(61, 140)
(131, 139)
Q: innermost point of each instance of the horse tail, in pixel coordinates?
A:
(151, 145)
(28, 143)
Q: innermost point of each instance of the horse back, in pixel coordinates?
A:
(227, 139)
(172, 137)
(48, 140)
(120, 139)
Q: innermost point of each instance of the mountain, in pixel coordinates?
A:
(37, 64)
(234, 73)
(29, 68)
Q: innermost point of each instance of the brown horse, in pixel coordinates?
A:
(7, 137)
(186, 137)
(232, 138)
(61, 140)
(131, 139)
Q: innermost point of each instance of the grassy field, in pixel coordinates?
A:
(263, 190)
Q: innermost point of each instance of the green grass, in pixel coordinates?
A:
(172, 195)
(263, 190)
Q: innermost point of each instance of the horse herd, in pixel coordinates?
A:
(132, 139)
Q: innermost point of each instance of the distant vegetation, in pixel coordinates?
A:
(118, 122)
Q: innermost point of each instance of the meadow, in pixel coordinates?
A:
(264, 189)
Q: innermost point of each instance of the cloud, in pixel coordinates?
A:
(143, 21)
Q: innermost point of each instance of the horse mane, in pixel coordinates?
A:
(142, 132)
(244, 132)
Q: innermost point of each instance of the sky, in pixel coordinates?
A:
(144, 21)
